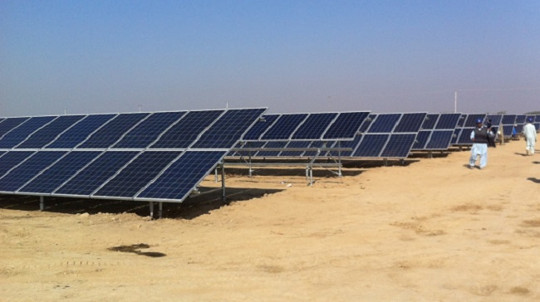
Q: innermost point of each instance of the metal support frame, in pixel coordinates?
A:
(223, 192)
(41, 203)
(160, 209)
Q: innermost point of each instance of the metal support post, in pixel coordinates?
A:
(151, 204)
(216, 175)
(250, 165)
(223, 193)
(160, 210)
(41, 203)
(339, 160)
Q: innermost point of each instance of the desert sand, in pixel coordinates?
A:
(431, 230)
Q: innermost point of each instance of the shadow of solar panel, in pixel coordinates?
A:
(80, 131)
(19, 134)
(137, 174)
(284, 127)
(430, 121)
(371, 145)
(96, 173)
(48, 133)
(440, 140)
(448, 121)
(346, 125)
(399, 145)
(60, 172)
(178, 180)
(255, 132)
(24, 172)
(421, 139)
(410, 122)
(384, 123)
(148, 130)
(11, 159)
(10, 123)
(228, 129)
(314, 126)
(187, 130)
(113, 130)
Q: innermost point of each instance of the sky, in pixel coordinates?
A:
(96, 56)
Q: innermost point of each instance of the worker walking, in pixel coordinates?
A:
(480, 138)
(529, 131)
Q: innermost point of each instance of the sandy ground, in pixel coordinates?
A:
(432, 230)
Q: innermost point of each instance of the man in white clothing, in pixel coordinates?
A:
(529, 131)
(479, 136)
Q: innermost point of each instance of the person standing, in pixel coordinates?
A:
(529, 131)
(480, 138)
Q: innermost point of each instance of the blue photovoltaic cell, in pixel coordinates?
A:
(520, 119)
(58, 173)
(494, 119)
(448, 121)
(49, 132)
(10, 123)
(272, 144)
(186, 131)
(430, 121)
(440, 140)
(28, 169)
(410, 122)
(137, 174)
(95, 174)
(371, 145)
(509, 119)
(384, 123)
(182, 176)
(421, 139)
(346, 126)
(471, 119)
(284, 127)
(80, 131)
(465, 136)
(11, 159)
(295, 144)
(148, 130)
(113, 130)
(255, 132)
(229, 128)
(367, 122)
(457, 132)
(399, 145)
(314, 126)
(19, 134)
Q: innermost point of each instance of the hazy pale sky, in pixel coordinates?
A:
(291, 56)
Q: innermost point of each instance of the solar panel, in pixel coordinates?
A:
(346, 126)
(10, 123)
(440, 140)
(399, 145)
(19, 134)
(113, 130)
(96, 173)
(284, 127)
(49, 132)
(371, 145)
(28, 169)
(137, 174)
(422, 139)
(255, 132)
(60, 172)
(228, 128)
(107, 155)
(314, 126)
(468, 126)
(11, 159)
(410, 122)
(437, 133)
(177, 181)
(189, 127)
(80, 131)
(430, 121)
(148, 130)
(384, 123)
(448, 121)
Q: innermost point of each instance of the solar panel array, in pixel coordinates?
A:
(299, 133)
(437, 132)
(463, 130)
(158, 156)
